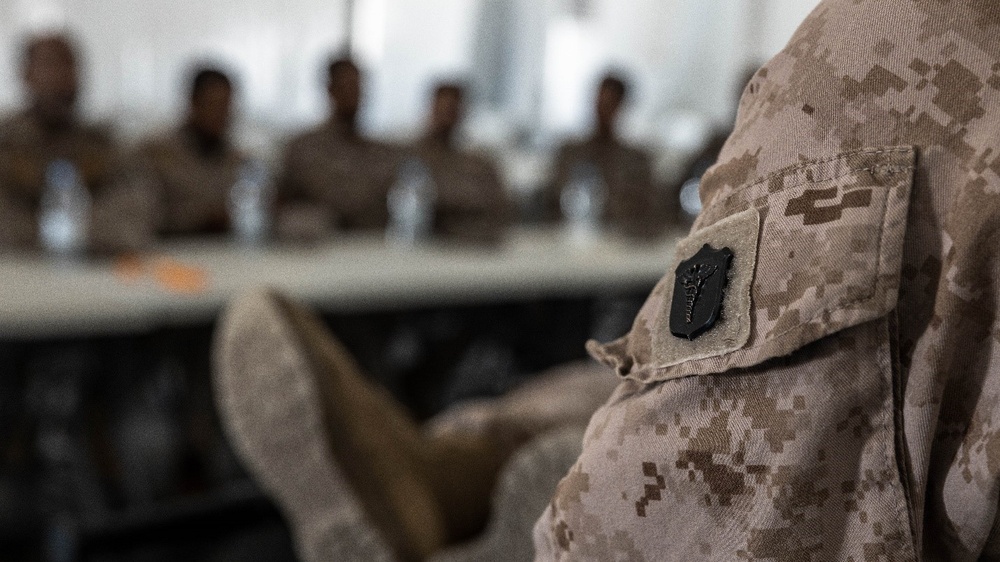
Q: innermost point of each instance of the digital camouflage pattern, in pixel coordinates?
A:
(193, 181)
(860, 419)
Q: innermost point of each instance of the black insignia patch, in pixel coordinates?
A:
(699, 289)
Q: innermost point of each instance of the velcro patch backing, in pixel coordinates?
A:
(739, 233)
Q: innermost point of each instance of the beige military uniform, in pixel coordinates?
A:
(193, 181)
(845, 404)
(632, 205)
(470, 199)
(345, 177)
(122, 212)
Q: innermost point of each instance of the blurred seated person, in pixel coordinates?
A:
(630, 202)
(470, 202)
(334, 178)
(195, 165)
(46, 147)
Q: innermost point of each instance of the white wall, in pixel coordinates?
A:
(684, 56)
(138, 55)
(780, 18)
(680, 55)
(405, 46)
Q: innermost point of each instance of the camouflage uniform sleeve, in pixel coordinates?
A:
(756, 416)
(835, 394)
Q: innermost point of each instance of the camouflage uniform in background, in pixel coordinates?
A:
(122, 211)
(340, 178)
(193, 181)
(471, 202)
(845, 406)
(632, 205)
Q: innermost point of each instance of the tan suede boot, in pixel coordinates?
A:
(325, 466)
(278, 365)
(381, 448)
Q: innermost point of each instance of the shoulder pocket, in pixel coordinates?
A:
(815, 248)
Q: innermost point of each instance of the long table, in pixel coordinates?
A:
(43, 298)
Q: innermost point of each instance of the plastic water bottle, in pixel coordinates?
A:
(250, 201)
(582, 202)
(64, 217)
(411, 204)
(690, 198)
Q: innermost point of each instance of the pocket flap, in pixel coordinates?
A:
(816, 248)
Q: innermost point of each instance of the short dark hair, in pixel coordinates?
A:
(616, 83)
(205, 75)
(34, 42)
(340, 63)
(456, 89)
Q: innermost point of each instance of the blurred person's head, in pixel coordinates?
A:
(446, 110)
(611, 95)
(344, 87)
(49, 71)
(210, 112)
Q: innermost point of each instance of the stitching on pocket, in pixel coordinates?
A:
(795, 170)
(886, 384)
(879, 167)
(847, 303)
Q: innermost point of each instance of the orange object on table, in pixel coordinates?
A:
(179, 277)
